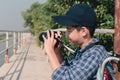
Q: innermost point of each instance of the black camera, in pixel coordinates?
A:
(58, 40)
(45, 34)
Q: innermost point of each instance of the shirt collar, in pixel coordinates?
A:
(79, 50)
(93, 42)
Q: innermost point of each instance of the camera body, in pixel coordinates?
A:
(45, 34)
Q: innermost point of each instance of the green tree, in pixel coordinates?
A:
(38, 16)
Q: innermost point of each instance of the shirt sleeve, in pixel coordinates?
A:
(81, 69)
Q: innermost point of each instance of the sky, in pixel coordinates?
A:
(10, 13)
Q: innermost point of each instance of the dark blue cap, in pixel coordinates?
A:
(79, 14)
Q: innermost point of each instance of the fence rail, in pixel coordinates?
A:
(99, 31)
(18, 39)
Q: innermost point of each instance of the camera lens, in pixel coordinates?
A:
(45, 34)
(40, 36)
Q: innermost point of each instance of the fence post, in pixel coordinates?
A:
(117, 27)
(14, 43)
(117, 34)
(25, 40)
(18, 38)
(21, 40)
(6, 55)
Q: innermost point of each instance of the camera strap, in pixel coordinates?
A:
(82, 52)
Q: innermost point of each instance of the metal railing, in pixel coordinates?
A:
(98, 31)
(101, 73)
(18, 38)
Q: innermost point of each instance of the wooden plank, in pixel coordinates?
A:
(117, 35)
(98, 31)
(117, 27)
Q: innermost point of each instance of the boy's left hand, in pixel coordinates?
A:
(49, 42)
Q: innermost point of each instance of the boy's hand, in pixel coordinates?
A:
(58, 48)
(49, 42)
(49, 47)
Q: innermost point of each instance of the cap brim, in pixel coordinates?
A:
(64, 20)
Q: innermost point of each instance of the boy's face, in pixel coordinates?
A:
(74, 36)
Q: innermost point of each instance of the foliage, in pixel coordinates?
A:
(38, 16)
(34, 18)
(2, 37)
(106, 40)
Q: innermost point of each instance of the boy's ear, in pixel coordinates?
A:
(84, 31)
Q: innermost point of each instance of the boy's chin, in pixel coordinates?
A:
(73, 44)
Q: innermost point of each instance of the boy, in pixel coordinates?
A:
(80, 21)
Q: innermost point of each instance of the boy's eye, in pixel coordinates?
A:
(69, 30)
